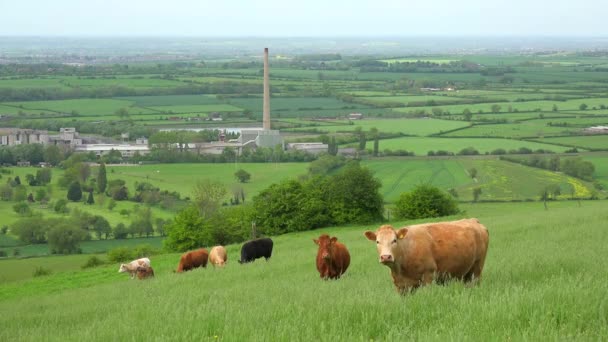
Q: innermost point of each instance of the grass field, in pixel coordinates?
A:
(419, 127)
(599, 142)
(420, 146)
(523, 129)
(538, 284)
(499, 180)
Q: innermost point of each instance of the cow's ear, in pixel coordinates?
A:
(315, 241)
(333, 240)
(370, 235)
(401, 233)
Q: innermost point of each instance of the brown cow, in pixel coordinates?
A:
(193, 259)
(332, 258)
(144, 272)
(419, 254)
(218, 256)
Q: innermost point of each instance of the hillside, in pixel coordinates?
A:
(541, 267)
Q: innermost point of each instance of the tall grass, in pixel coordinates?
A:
(542, 281)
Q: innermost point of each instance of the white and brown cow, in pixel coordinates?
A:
(132, 266)
(419, 254)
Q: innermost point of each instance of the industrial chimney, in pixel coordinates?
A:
(266, 111)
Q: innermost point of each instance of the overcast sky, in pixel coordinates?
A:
(310, 18)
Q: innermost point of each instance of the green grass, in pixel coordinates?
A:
(499, 180)
(601, 168)
(419, 127)
(523, 129)
(183, 177)
(171, 100)
(585, 142)
(420, 146)
(82, 106)
(196, 108)
(538, 284)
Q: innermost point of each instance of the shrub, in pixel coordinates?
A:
(93, 261)
(144, 250)
(41, 271)
(121, 254)
(423, 202)
(2, 254)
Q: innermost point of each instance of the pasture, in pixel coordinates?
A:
(421, 127)
(536, 276)
(499, 180)
(422, 145)
(592, 142)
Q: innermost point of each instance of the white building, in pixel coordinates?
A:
(126, 150)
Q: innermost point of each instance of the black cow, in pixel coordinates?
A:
(254, 249)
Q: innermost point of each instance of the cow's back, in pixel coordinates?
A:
(254, 249)
(457, 246)
(218, 256)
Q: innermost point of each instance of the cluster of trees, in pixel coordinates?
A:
(64, 235)
(471, 151)
(575, 167)
(229, 155)
(347, 196)
(372, 65)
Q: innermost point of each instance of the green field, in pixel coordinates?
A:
(420, 145)
(525, 129)
(536, 277)
(419, 127)
(499, 180)
(599, 142)
(91, 107)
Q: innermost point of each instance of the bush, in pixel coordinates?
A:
(144, 250)
(41, 272)
(120, 254)
(93, 261)
(2, 254)
(423, 202)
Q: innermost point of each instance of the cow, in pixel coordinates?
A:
(218, 256)
(420, 254)
(144, 272)
(193, 259)
(332, 257)
(255, 249)
(132, 266)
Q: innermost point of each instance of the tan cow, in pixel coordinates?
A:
(419, 254)
(218, 256)
(132, 266)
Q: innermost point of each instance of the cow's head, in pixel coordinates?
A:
(326, 246)
(386, 238)
(123, 268)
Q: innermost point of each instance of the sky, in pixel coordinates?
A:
(311, 18)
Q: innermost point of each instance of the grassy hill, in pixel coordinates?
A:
(541, 268)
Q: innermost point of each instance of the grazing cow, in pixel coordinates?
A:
(419, 254)
(332, 258)
(218, 256)
(132, 266)
(144, 272)
(193, 259)
(254, 249)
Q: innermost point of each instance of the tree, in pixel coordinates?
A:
(376, 135)
(554, 108)
(208, 196)
(187, 231)
(473, 172)
(496, 108)
(90, 199)
(476, 193)
(583, 106)
(242, 176)
(425, 201)
(467, 114)
(160, 226)
(61, 206)
(101, 227)
(17, 180)
(120, 231)
(53, 155)
(74, 192)
(43, 176)
(22, 209)
(102, 180)
(65, 238)
(453, 192)
(111, 204)
(19, 193)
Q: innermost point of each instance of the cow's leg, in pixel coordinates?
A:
(474, 275)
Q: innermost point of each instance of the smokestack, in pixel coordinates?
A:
(266, 112)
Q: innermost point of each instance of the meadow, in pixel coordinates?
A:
(422, 145)
(535, 278)
(596, 142)
(421, 127)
